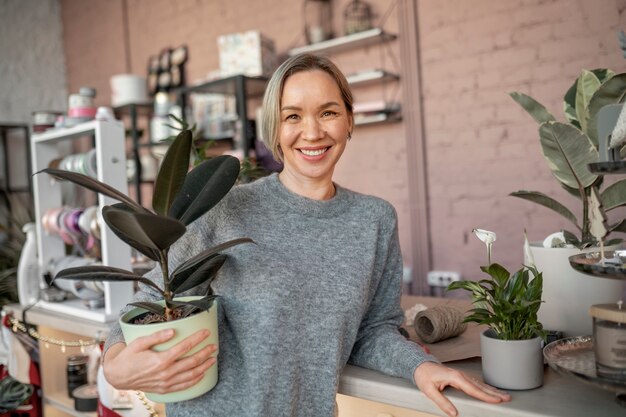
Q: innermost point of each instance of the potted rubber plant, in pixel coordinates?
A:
(180, 197)
(569, 147)
(511, 347)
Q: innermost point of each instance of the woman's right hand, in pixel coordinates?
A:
(135, 366)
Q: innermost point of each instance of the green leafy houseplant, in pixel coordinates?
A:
(12, 218)
(180, 197)
(507, 303)
(570, 147)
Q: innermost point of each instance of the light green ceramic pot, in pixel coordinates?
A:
(183, 328)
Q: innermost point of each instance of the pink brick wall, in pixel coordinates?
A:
(374, 162)
(480, 145)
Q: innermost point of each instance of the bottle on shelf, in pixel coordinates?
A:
(28, 268)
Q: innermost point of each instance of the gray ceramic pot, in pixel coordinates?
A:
(511, 364)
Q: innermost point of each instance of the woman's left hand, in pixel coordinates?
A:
(431, 378)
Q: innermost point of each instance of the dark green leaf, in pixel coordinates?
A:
(151, 307)
(189, 265)
(150, 230)
(204, 187)
(568, 152)
(204, 273)
(93, 185)
(498, 273)
(614, 195)
(533, 107)
(609, 93)
(172, 173)
(204, 303)
(548, 202)
(513, 286)
(149, 252)
(471, 286)
(570, 237)
(103, 273)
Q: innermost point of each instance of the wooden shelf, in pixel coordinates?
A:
(371, 77)
(377, 119)
(62, 402)
(355, 40)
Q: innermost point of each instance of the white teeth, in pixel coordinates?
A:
(316, 152)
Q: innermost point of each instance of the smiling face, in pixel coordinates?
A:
(313, 130)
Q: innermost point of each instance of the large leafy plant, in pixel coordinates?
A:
(180, 197)
(570, 147)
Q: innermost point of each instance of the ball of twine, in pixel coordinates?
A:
(439, 323)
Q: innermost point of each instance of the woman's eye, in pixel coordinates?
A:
(329, 113)
(292, 117)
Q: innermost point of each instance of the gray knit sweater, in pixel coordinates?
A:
(321, 288)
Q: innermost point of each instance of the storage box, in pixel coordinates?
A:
(248, 53)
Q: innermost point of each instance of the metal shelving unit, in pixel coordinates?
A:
(111, 169)
(242, 87)
(363, 39)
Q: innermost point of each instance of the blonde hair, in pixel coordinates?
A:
(270, 120)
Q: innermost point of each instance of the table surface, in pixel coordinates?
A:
(560, 395)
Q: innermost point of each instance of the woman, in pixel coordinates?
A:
(321, 288)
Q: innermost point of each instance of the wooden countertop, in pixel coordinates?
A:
(560, 396)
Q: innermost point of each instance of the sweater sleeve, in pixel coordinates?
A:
(379, 344)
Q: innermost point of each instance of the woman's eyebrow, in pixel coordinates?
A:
(327, 104)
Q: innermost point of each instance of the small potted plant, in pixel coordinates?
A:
(569, 147)
(511, 347)
(180, 197)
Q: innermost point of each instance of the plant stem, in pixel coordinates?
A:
(167, 295)
(586, 224)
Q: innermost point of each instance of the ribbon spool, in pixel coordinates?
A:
(82, 163)
(72, 224)
(439, 323)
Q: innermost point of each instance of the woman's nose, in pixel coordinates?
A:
(311, 129)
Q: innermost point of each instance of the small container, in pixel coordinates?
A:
(44, 120)
(76, 372)
(609, 339)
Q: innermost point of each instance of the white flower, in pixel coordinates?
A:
(485, 236)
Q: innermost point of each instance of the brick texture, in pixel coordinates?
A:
(481, 146)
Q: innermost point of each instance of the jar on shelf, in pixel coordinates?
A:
(317, 20)
(609, 339)
(357, 17)
(76, 372)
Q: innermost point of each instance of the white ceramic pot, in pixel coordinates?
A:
(568, 294)
(183, 328)
(511, 364)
